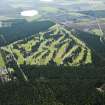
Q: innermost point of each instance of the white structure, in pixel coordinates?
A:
(29, 13)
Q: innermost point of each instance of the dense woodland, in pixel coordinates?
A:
(20, 29)
(53, 85)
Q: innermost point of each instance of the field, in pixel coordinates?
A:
(2, 63)
(48, 9)
(57, 45)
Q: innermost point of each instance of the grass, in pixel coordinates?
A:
(96, 32)
(58, 58)
(49, 9)
(2, 63)
(52, 46)
(20, 59)
(88, 57)
(79, 58)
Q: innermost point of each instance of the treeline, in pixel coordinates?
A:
(64, 72)
(53, 92)
(55, 85)
(22, 29)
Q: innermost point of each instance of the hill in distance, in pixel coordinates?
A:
(54, 46)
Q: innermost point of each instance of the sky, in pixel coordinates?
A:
(26, 3)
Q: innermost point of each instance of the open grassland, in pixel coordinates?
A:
(2, 63)
(49, 9)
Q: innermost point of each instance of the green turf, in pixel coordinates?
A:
(57, 44)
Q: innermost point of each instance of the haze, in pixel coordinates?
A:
(13, 8)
